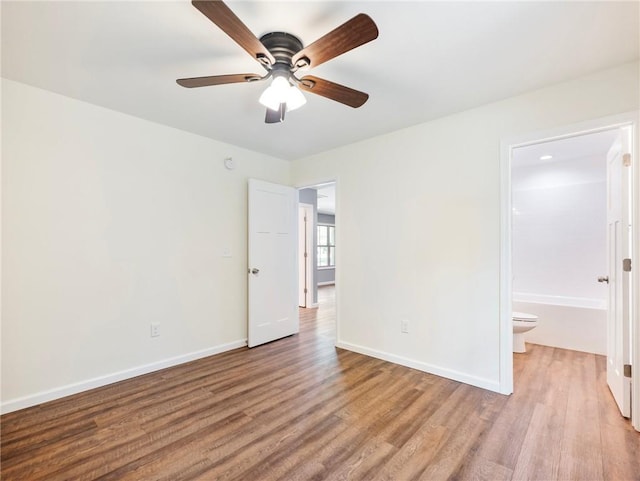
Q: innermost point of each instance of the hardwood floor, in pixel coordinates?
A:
(300, 409)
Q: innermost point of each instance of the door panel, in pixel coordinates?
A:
(272, 225)
(618, 246)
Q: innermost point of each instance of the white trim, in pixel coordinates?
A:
(635, 272)
(505, 320)
(310, 271)
(582, 302)
(326, 283)
(338, 258)
(506, 332)
(75, 388)
(476, 381)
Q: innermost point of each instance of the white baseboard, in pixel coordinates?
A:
(69, 389)
(423, 366)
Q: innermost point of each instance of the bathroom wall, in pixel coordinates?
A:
(559, 250)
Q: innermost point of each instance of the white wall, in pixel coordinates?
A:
(559, 240)
(110, 223)
(436, 260)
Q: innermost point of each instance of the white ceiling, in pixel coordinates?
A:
(431, 59)
(574, 147)
(575, 160)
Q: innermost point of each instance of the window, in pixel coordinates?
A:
(326, 246)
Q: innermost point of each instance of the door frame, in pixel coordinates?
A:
(505, 325)
(314, 183)
(309, 278)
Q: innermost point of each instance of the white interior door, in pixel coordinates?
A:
(273, 302)
(619, 248)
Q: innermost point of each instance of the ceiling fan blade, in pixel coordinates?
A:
(339, 93)
(351, 34)
(229, 23)
(218, 80)
(275, 116)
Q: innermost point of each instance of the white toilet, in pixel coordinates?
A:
(522, 322)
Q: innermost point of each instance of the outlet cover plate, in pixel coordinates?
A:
(155, 329)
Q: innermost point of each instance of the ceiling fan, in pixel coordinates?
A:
(282, 55)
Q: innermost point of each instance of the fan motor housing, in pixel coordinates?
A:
(283, 46)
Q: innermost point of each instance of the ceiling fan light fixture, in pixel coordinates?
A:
(276, 93)
(295, 99)
(282, 54)
(282, 92)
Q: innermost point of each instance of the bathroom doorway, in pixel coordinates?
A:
(554, 246)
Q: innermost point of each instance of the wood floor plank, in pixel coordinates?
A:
(291, 459)
(365, 462)
(460, 439)
(581, 449)
(302, 409)
(506, 434)
(545, 429)
(415, 455)
(536, 461)
(477, 468)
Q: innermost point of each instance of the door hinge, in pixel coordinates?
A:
(305, 255)
(626, 160)
(627, 370)
(305, 290)
(626, 265)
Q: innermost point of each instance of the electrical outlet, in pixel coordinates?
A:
(404, 326)
(155, 329)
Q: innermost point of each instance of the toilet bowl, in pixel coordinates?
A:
(522, 322)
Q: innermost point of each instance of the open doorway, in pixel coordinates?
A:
(567, 229)
(317, 245)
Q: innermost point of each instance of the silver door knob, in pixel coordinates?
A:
(603, 279)
(255, 271)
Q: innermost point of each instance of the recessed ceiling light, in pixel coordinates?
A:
(546, 157)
